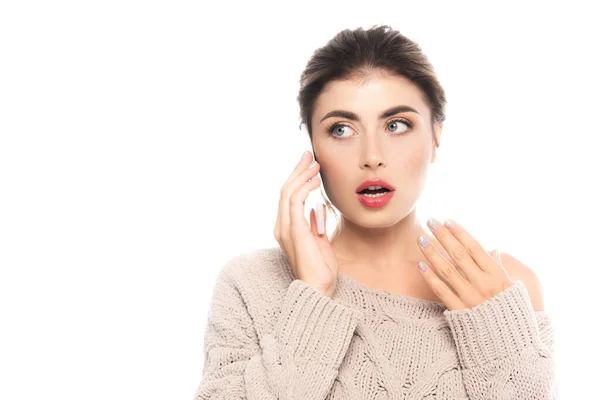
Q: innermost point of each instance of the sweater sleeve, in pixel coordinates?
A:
(505, 347)
(299, 360)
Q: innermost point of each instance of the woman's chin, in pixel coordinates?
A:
(375, 220)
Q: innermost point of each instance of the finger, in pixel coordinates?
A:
(282, 225)
(456, 250)
(313, 222)
(307, 158)
(297, 201)
(472, 248)
(439, 287)
(444, 269)
(304, 162)
(290, 189)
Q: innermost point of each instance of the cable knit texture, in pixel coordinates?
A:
(271, 336)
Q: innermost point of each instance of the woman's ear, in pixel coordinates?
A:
(313, 151)
(436, 139)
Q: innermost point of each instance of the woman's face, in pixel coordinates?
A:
(397, 148)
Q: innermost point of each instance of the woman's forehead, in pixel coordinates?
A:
(369, 97)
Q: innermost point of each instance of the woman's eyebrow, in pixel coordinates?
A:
(350, 115)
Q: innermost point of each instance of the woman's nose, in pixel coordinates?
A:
(372, 154)
(374, 161)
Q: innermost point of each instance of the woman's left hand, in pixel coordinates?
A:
(471, 277)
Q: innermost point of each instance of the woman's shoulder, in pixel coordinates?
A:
(258, 281)
(259, 269)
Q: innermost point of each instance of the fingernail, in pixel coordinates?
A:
(449, 223)
(423, 241)
(422, 266)
(433, 224)
(304, 155)
(312, 164)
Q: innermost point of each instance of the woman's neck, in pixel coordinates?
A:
(384, 250)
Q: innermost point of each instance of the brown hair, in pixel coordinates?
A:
(359, 53)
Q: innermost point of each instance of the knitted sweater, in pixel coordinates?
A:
(271, 336)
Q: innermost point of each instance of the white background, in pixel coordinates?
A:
(144, 143)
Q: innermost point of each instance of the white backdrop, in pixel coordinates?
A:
(144, 143)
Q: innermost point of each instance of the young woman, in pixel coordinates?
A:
(386, 307)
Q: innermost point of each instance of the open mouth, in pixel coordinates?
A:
(374, 191)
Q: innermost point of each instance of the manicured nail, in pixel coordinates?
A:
(304, 155)
(433, 224)
(312, 164)
(422, 266)
(423, 241)
(449, 223)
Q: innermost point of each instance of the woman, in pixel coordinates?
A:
(384, 308)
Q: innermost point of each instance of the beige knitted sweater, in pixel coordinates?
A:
(270, 336)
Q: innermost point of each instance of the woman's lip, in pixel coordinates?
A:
(374, 182)
(375, 202)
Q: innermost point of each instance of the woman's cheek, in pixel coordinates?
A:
(416, 166)
(333, 178)
(416, 162)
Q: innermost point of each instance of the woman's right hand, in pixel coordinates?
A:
(310, 254)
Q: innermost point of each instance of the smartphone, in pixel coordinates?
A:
(320, 215)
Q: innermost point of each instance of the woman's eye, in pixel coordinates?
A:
(338, 130)
(397, 124)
